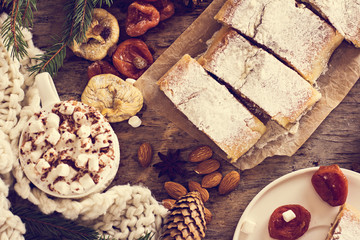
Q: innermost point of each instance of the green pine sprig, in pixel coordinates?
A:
(78, 20)
(41, 226)
(21, 15)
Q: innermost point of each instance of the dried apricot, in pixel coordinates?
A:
(132, 57)
(280, 229)
(331, 184)
(165, 7)
(140, 18)
(101, 67)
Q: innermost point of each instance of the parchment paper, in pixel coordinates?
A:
(342, 73)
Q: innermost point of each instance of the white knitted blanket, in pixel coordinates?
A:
(123, 212)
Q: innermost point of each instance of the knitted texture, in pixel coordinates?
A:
(123, 212)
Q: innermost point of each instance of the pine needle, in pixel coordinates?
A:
(41, 226)
(11, 32)
(51, 60)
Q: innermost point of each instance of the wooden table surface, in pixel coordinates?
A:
(337, 140)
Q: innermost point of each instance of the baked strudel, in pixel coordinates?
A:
(294, 34)
(346, 225)
(259, 77)
(211, 107)
(344, 15)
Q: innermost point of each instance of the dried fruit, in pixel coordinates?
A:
(208, 215)
(171, 164)
(132, 57)
(229, 182)
(195, 186)
(116, 99)
(145, 154)
(207, 166)
(175, 190)
(200, 154)
(331, 184)
(140, 18)
(167, 10)
(101, 67)
(211, 180)
(188, 216)
(192, 3)
(168, 203)
(102, 34)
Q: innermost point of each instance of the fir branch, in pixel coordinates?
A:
(101, 2)
(41, 226)
(11, 31)
(21, 15)
(51, 60)
(27, 12)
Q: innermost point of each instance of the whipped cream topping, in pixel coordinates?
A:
(68, 149)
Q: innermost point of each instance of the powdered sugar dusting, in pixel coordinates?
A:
(210, 106)
(293, 33)
(260, 77)
(348, 227)
(344, 15)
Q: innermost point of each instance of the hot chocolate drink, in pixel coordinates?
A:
(69, 150)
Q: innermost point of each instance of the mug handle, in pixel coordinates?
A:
(47, 90)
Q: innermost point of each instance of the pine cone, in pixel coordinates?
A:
(186, 220)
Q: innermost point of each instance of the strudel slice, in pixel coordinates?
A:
(346, 225)
(294, 34)
(259, 77)
(211, 107)
(344, 15)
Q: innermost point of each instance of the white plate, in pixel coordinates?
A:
(295, 188)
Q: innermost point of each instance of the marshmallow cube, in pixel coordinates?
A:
(50, 155)
(35, 156)
(86, 181)
(94, 164)
(79, 117)
(62, 187)
(81, 160)
(84, 144)
(288, 215)
(52, 136)
(68, 137)
(134, 121)
(101, 141)
(36, 126)
(42, 166)
(67, 109)
(76, 187)
(248, 227)
(84, 131)
(53, 121)
(40, 139)
(27, 146)
(63, 170)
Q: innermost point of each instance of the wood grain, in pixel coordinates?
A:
(337, 140)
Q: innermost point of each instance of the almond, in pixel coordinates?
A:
(145, 154)
(208, 215)
(207, 166)
(200, 154)
(211, 180)
(229, 182)
(195, 186)
(168, 203)
(175, 190)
